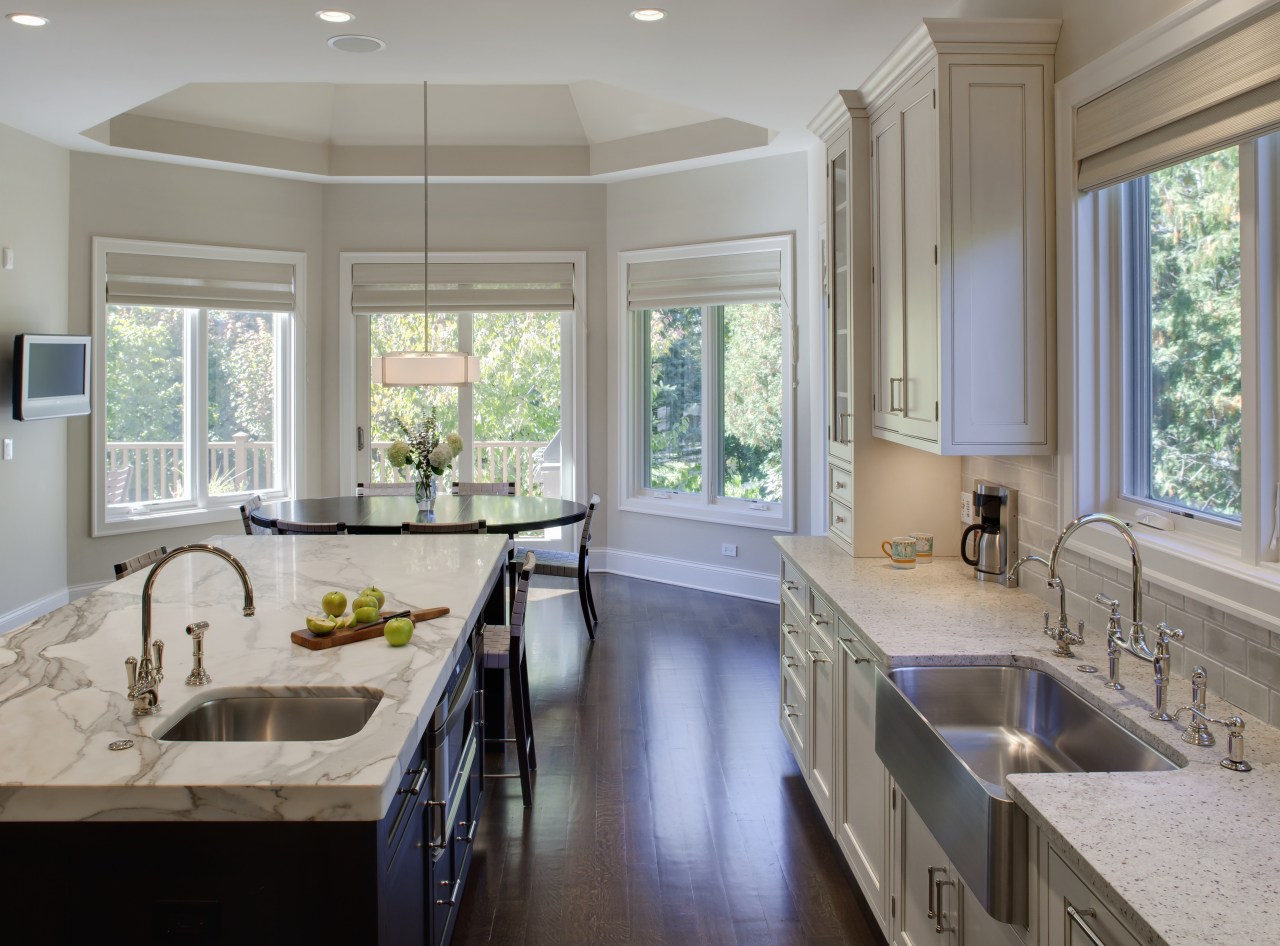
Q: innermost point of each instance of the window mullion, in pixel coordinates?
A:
(712, 403)
(198, 416)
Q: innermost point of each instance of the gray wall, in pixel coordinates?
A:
(33, 298)
(147, 200)
(1092, 27)
(752, 198)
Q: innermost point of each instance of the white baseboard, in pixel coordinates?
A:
(726, 581)
(76, 592)
(29, 612)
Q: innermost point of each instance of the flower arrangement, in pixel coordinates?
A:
(425, 452)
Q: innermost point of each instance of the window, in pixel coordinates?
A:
(708, 366)
(194, 398)
(1182, 243)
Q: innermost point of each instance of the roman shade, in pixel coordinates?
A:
(196, 282)
(752, 276)
(1219, 93)
(462, 287)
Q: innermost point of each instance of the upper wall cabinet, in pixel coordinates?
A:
(961, 183)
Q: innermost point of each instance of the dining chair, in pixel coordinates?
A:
(465, 488)
(253, 504)
(476, 526)
(574, 565)
(139, 562)
(504, 650)
(285, 527)
(400, 488)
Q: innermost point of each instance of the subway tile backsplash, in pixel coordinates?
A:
(1241, 659)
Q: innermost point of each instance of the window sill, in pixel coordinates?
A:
(1203, 570)
(160, 521)
(776, 519)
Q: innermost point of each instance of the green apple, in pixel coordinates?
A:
(365, 601)
(366, 615)
(374, 592)
(320, 626)
(398, 631)
(334, 603)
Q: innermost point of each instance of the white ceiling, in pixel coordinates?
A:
(201, 82)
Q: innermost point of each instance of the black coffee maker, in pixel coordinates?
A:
(986, 544)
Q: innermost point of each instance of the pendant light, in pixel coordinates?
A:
(425, 368)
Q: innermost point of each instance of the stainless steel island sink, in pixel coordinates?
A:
(275, 715)
(950, 735)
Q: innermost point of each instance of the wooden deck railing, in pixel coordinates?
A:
(241, 465)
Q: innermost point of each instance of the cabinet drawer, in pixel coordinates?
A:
(795, 718)
(840, 483)
(822, 621)
(840, 520)
(793, 585)
(1077, 916)
(795, 636)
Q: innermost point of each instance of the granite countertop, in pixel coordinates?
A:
(1184, 857)
(62, 683)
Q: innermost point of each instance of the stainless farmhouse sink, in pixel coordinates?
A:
(270, 714)
(950, 735)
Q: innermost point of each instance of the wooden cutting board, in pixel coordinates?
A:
(361, 632)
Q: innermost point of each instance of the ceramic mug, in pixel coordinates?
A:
(924, 547)
(901, 549)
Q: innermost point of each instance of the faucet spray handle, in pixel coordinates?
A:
(131, 672)
(158, 648)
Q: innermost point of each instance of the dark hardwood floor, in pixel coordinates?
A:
(667, 806)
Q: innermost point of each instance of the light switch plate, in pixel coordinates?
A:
(8, 448)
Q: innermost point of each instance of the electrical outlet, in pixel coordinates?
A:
(8, 448)
(966, 507)
(730, 550)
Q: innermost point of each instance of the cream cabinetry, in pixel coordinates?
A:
(1076, 916)
(930, 903)
(865, 496)
(961, 230)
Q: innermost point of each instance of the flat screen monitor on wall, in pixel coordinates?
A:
(50, 376)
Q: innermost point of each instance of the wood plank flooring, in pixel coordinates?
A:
(668, 810)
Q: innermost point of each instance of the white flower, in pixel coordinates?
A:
(441, 456)
(455, 443)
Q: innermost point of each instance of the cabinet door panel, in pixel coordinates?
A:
(822, 738)
(886, 189)
(921, 864)
(1066, 890)
(998, 245)
(862, 805)
(840, 403)
(919, 394)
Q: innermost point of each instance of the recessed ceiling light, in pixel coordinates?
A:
(351, 43)
(335, 16)
(29, 19)
(649, 15)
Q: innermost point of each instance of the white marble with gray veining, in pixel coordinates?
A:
(1184, 857)
(62, 683)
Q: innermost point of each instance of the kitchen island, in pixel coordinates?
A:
(1181, 857)
(215, 841)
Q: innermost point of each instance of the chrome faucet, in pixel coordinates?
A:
(145, 673)
(1062, 635)
(1135, 642)
(1198, 733)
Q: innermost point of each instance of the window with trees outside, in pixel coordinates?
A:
(709, 369)
(194, 405)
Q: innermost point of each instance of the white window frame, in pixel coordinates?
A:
(705, 506)
(1226, 566)
(573, 347)
(201, 508)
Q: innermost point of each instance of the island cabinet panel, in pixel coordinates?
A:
(1076, 915)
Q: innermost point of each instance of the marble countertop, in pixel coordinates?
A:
(62, 683)
(1184, 857)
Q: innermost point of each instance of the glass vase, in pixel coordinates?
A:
(424, 491)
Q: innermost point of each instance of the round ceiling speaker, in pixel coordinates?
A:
(350, 43)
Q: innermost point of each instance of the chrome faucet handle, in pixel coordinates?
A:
(158, 648)
(198, 675)
(1165, 634)
(131, 673)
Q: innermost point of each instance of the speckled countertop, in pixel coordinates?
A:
(1184, 857)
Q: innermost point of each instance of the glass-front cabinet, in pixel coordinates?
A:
(836, 264)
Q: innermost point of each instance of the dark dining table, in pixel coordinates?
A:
(382, 514)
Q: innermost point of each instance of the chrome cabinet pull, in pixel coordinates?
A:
(789, 707)
(818, 658)
(790, 585)
(792, 663)
(848, 648)
(932, 891)
(841, 484)
(1077, 917)
(892, 399)
(790, 628)
(818, 620)
(470, 837)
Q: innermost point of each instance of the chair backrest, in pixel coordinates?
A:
(285, 527)
(462, 488)
(520, 600)
(476, 526)
(118, 484)
(402, 488)
(253, 504)
(584, 542)
(139, 562)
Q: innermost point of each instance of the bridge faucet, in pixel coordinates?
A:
(145, 673)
